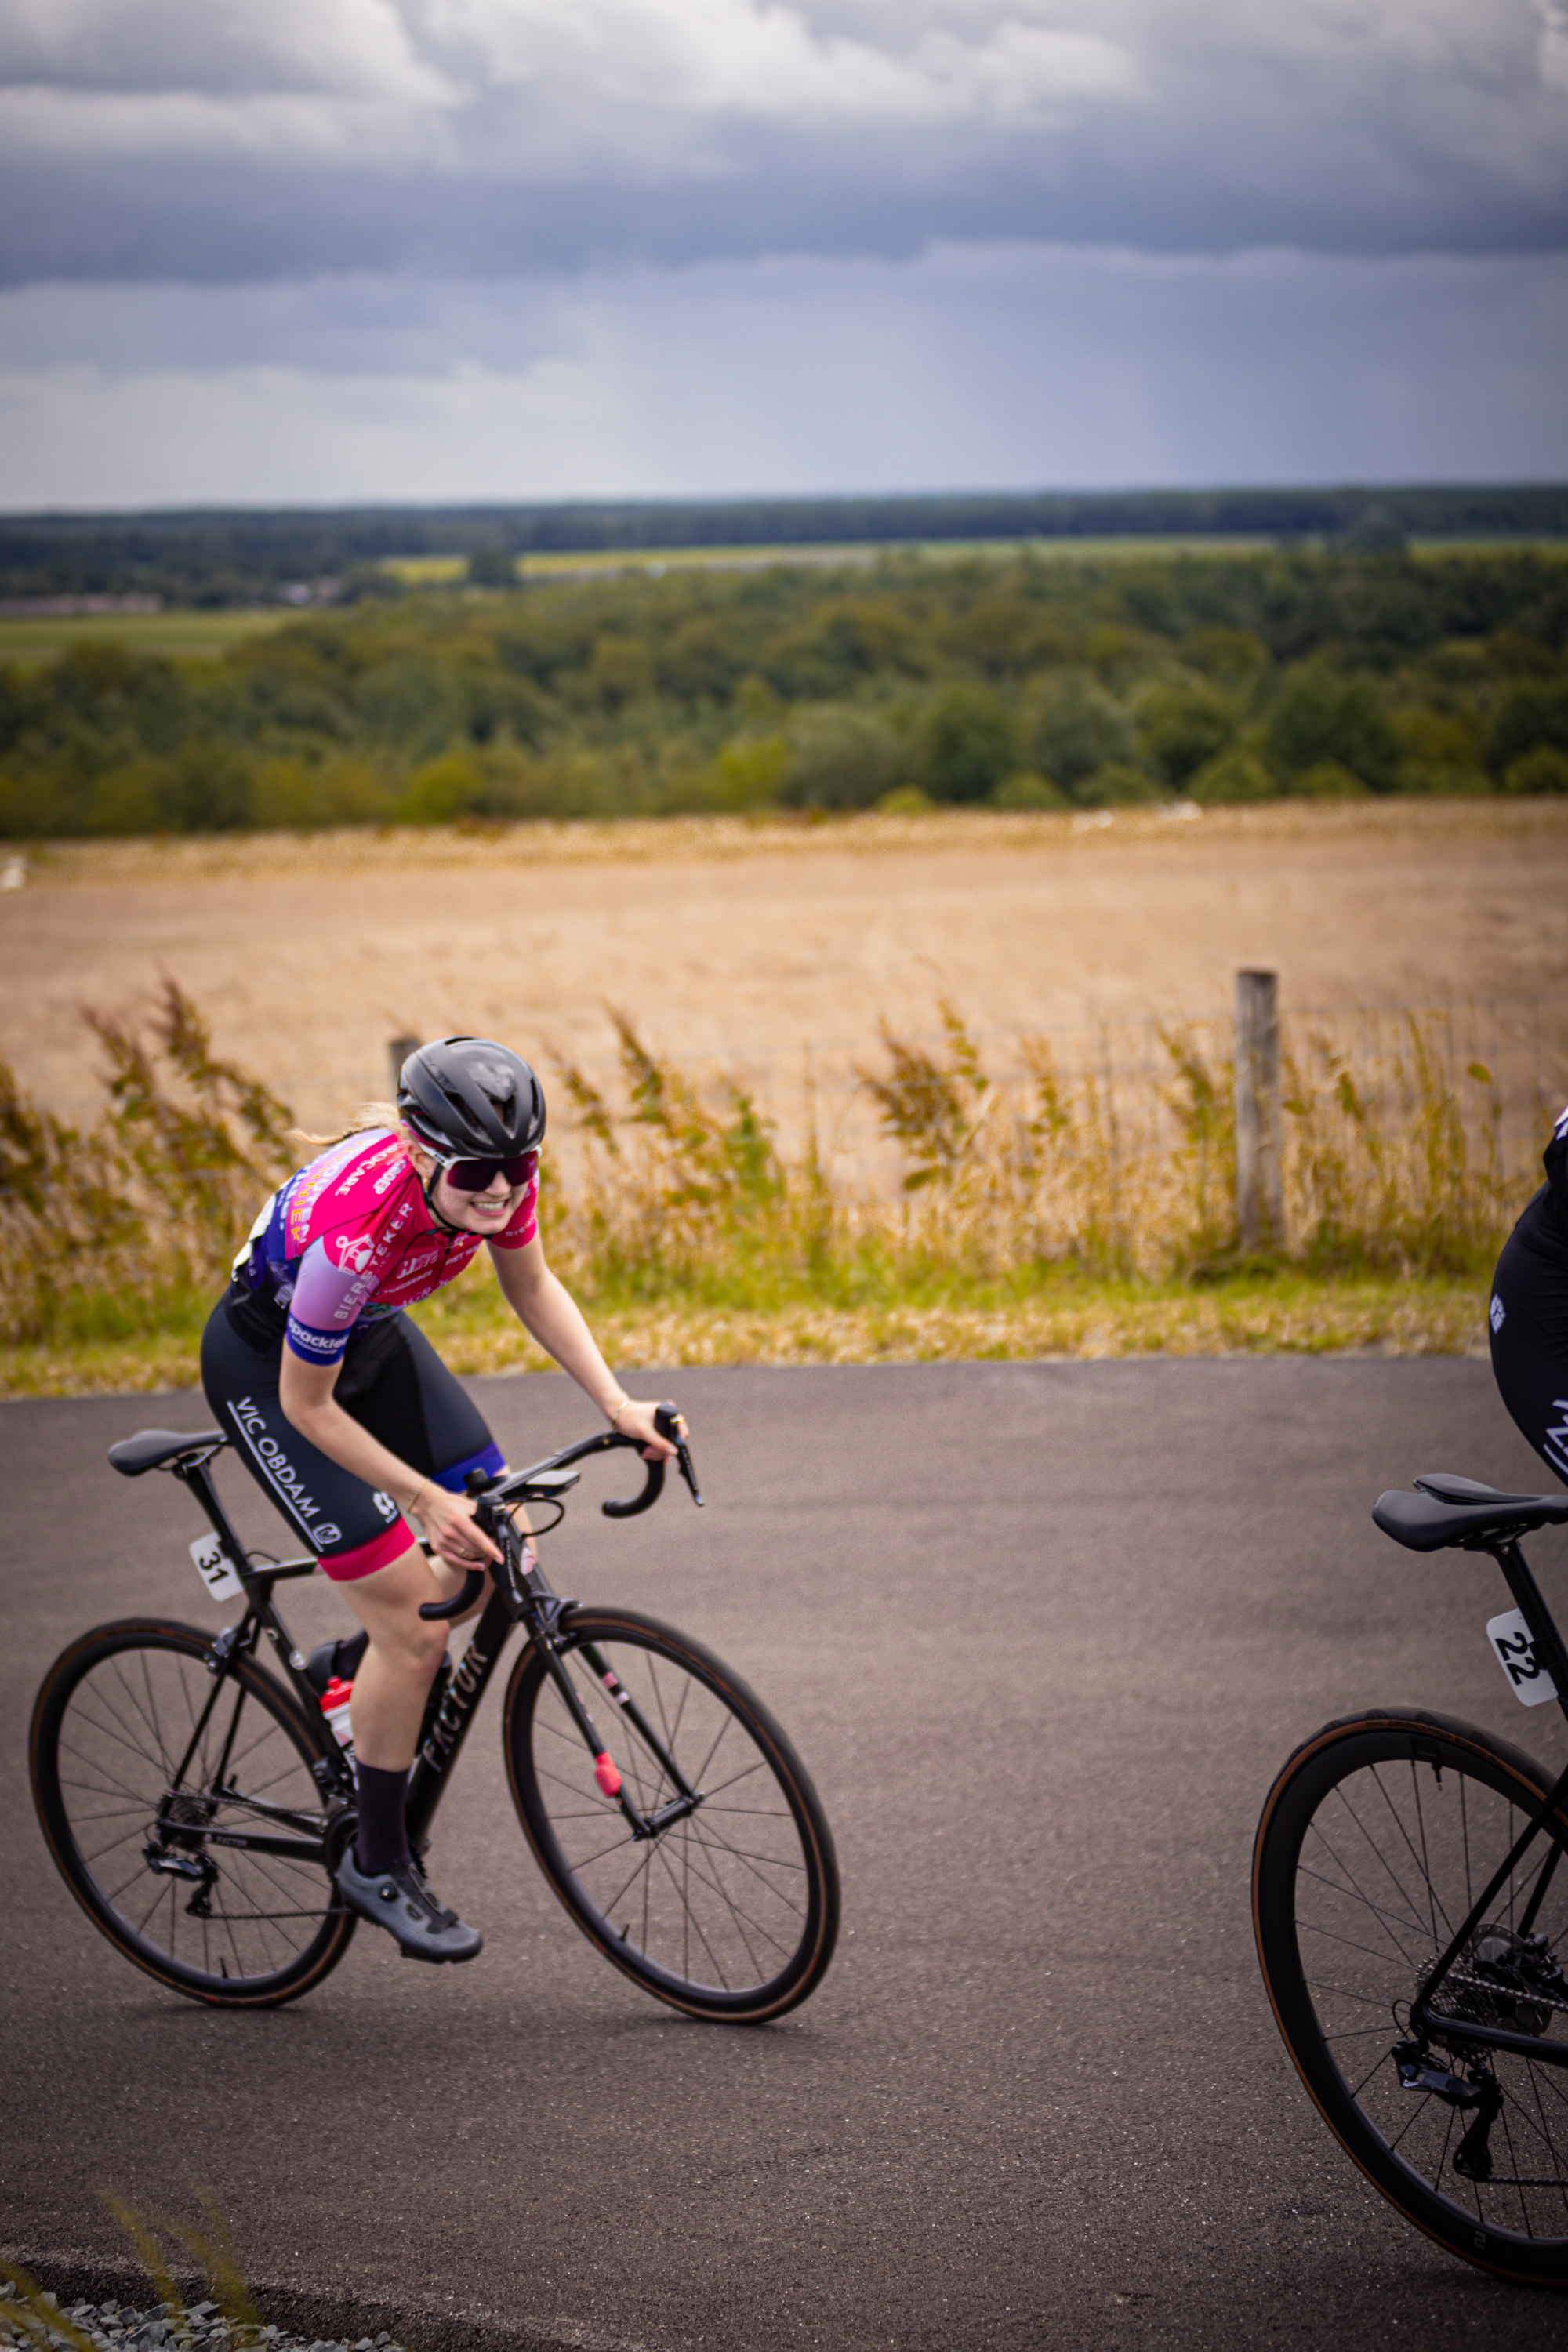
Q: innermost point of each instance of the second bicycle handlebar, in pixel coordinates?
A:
(541, 1483)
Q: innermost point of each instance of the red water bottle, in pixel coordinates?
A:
(335, 1708)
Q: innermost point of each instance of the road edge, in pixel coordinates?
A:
(419, 2324)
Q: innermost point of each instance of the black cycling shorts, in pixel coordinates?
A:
(1529, 1318)
(392, 1383)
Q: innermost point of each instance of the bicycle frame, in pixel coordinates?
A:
(1550, 1650)
(520, 1594)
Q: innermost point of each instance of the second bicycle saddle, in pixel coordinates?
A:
(1450, 1510)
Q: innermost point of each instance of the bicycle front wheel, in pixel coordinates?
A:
(729, 1908)
(143, 1767)
(1376, 1842)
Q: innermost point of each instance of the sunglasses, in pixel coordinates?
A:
(478, 1175)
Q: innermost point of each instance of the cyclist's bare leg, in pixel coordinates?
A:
(394, 1675)
(377, 1876)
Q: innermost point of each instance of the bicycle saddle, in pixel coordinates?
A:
(1450, 1510)
(151, 1448)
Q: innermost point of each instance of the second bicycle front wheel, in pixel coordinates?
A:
(729, 1909)
(1377, 1841)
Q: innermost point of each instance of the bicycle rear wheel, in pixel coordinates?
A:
(142, 1845)
(1375, 1842)
(730, 1911)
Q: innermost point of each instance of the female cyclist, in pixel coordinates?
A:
(347, 1419)
(1529, 1313)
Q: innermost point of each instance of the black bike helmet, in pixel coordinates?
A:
(469, 1098)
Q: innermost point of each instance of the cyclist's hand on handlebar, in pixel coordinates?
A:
(449, 1523)
(638, 1421)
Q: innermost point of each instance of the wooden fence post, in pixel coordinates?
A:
(398, 1050)
(1260, 1191)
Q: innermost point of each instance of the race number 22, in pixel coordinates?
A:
(1515, 1653)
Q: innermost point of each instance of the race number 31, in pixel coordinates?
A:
(217, 1573)
(1515, 1653)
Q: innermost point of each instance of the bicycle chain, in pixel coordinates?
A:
(1517, 1995)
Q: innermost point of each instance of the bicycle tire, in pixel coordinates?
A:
(1373, 1844)
(113, 1718)
(730, 1931)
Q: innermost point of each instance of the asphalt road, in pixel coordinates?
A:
(1041, 1633)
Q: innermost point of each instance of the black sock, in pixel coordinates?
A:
(380, 1842)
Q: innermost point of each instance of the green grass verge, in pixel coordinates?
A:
(1062, 1314)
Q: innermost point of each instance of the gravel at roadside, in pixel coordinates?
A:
(124, 2327)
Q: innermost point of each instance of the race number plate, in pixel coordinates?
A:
(215, 1569)
(1515, 1653)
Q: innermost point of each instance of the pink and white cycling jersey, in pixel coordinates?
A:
(348, 1239)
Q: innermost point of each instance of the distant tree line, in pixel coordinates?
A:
(218, 556)
(1017, 682)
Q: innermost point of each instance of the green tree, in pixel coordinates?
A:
(1235, 775)
(1118, 784)
(1076, 726)
(970, 744)
(1328, 716)
(840, 756)
(492, 567)
(1545, 769)
(1528, 718)
(1181, 728)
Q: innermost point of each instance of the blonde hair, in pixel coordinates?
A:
(366, 1119)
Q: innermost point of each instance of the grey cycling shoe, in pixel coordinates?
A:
(400, 1901)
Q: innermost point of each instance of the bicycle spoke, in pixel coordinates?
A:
(1398, 1828)
(718, 1900)
(131, 1719)
(689, 1922)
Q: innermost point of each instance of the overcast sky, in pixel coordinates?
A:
(339, 249)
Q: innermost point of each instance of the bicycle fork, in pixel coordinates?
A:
(522, 1595)
(686, 1800)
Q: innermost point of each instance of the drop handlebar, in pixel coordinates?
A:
(550, 1480)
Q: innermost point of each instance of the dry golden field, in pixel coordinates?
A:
(734, 942)
(731, 944)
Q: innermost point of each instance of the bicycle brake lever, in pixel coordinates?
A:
(667, 1422)
(473, 1582)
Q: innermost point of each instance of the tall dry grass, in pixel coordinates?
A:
(935, 1179)
(107, 1229)
(1112, 1169)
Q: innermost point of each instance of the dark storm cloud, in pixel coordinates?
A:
(228, 140)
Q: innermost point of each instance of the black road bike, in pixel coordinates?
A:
(196, 1804)
(1411, 1910)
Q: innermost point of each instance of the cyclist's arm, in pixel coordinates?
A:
(549, 1313)
(305, 1393)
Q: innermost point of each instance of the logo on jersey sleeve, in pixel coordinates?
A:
(364, 1161)
(307, 1342)
(353, 1252)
